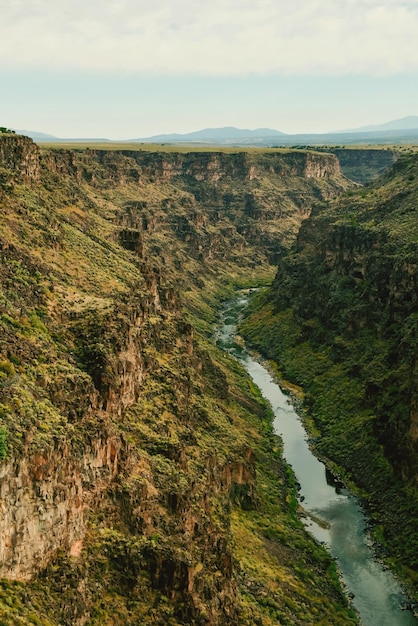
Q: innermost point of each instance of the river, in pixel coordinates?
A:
(332, 515)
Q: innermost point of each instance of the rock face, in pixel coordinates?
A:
(45, 502)
(99, 444)
(142, 166)
(364, 165)
(127, 441)
(261, 197)
(21, 156)
(365, 247)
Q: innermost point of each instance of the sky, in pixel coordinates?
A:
(124, 69)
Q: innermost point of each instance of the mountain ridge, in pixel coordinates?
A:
(224, 133)
(403, 130)
(410, 122)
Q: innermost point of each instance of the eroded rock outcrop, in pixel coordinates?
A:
(21, 156)
(45, 502)
(142, 166)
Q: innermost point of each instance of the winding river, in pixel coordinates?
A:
(332, 514)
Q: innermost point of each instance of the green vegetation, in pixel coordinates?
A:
(3, 443)
(341, 321)
(167, 147)
(114, 396)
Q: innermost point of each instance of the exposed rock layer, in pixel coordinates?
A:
(21, 156)
(139, 166)
(364, 165)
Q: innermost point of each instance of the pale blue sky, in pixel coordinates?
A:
(124, 69)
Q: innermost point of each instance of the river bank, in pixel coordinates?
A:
(332, 514)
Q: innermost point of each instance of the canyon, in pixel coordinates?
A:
(141, 481)
(351, 342)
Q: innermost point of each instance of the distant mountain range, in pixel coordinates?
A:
(404, 130)
(225, 134)
(405, 123)
(230, 134)
(45, 138)
(33, 134)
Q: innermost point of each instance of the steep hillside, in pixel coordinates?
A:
(342, 320)
(140, 481)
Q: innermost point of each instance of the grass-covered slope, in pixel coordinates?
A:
(140, 480)
(342, 320)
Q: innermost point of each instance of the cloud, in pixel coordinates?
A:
(220, 38)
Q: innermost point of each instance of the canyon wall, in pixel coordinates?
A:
(141, 166)
(364, 165)
(140, 481)
(341, 319)
(21, 157)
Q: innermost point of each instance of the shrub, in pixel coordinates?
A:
(3, 443)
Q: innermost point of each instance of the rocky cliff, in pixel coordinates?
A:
(142, 166)
(19, 158)
(140, 481)
(364, 165)
(341, 318)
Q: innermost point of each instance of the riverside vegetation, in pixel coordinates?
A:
(341, 320)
